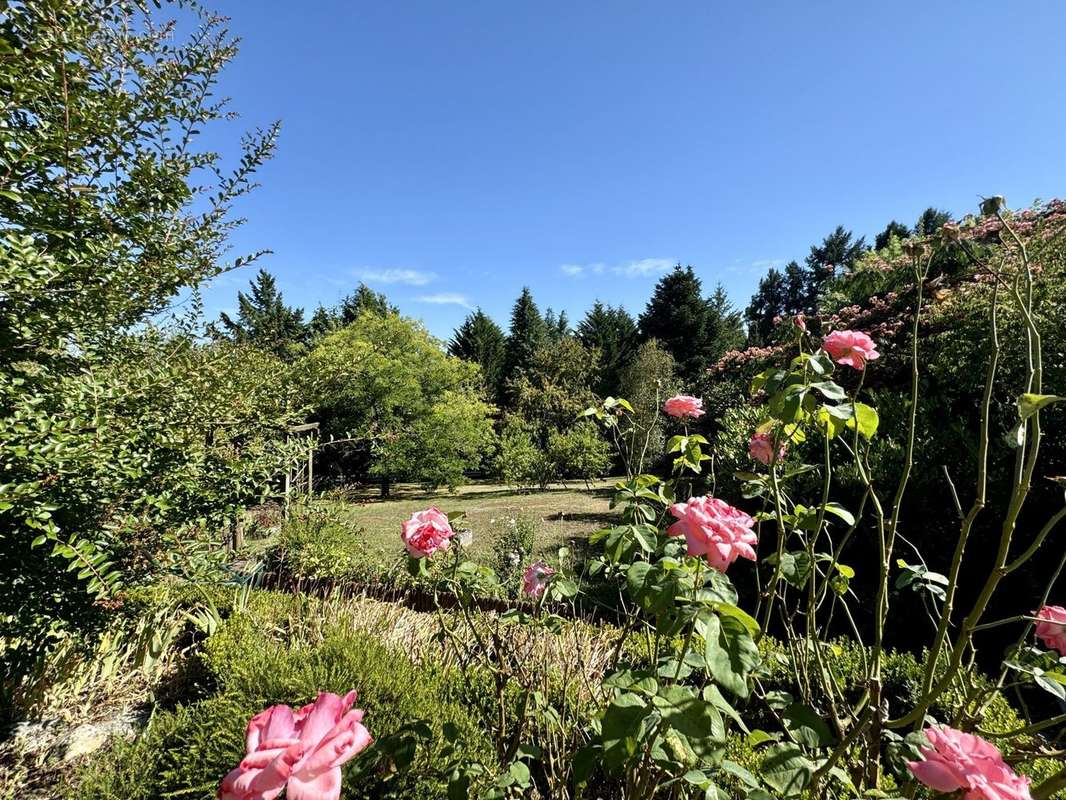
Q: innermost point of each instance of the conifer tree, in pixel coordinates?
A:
(528, 332)
(480, 340)
(613, 332)
(263, 319)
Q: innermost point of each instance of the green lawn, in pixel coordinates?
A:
(561, 515)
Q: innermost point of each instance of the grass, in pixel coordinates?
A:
(564, 516)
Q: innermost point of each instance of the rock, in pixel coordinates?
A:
(90, 737)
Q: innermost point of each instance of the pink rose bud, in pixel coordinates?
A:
(850, 348)
(761, 448)
(426, 532)
(1051, 629)
(714, 529)
(684, 405)
(301, 752)
(800, 321)
(536, 579)
(957, 761)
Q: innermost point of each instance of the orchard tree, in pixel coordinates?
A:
(388, 389)
(647, 381)
(481, 341)
(555, 388)
(264, 321)
(613, 332)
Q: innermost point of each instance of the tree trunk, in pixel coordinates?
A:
(386, 485)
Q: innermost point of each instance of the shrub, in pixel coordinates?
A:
(580, 452)
(314, 545)
(186, 752)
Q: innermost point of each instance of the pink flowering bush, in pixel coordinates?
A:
(299, 752)
(684, 406)
(1051, 627)
(761, 448)
(850, 348)
(714, 529)
(426, 532)
(956, 761)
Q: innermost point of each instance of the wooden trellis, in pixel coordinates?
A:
(300, 476)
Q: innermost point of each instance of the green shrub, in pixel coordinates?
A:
(186, 752)
(313, 544)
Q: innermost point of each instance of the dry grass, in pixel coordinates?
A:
(564, 516)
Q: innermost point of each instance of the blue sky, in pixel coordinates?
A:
(448, 153)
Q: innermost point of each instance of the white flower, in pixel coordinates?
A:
(465, 536)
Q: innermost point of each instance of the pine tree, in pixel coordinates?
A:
(363, 299)
(264, 321)
(480, 340)
(931, 221)
(683, 321)
(768, 302)
(725, 324)
(528, 332)
(838, 252)
(897, 229)
(613, 332)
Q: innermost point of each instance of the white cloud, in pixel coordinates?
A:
(756, 267)
(645, 267)
(633, 269)
(411, 277)
(445, 299)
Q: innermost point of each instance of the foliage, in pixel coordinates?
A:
(188, 750)
(385, 386)
(611, 332)
(482, 341)
(579, 452)
(649, 380)
(694, 330)
(313, 545)
(121, 450)
(528, 332)
(520, 462)
(264, 321)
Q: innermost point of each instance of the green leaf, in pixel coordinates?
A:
(830, 390)
(730, 651)
(1029, 404)
(838, 510)
(621, 729)
(807, 726)
(786, 770)
(866, 418)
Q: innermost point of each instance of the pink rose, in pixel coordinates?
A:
(426, 532)
(850, 348)
(1052, 627)
(536, 579)
(761, 448)
(714, 529)
(299, 752)
(961, 761)
(684, 405)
